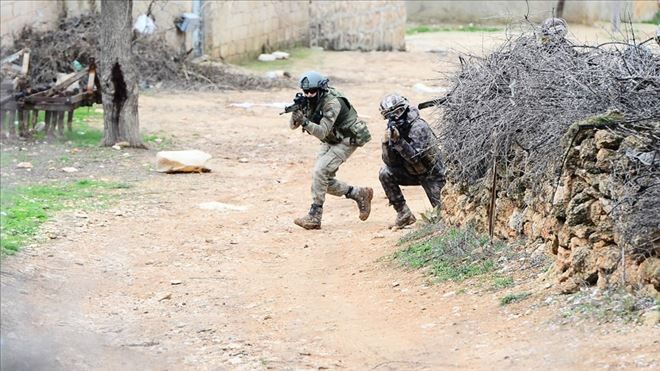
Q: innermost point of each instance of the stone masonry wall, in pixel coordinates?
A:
(576, 227)
(489, 11)
(237, 30)
(358, 25)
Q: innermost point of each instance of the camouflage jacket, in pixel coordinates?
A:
(416, 151)
(329, 117)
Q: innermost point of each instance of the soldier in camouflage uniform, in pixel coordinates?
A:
(331, 118)
(411, 157)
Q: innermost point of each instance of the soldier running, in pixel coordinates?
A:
(329, 116)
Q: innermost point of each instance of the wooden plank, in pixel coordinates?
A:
(90, 81)
(12, 57)
(26, 63)
(64, 84)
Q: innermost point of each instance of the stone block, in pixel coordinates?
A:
(607, 139)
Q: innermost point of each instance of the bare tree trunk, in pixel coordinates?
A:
(560, 8)
(119, 76)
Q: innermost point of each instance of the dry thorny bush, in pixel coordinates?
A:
(78, 38)
(512, 107)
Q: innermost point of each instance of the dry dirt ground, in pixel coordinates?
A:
(158, 282)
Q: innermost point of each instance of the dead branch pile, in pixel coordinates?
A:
(77, 39)
(517, 102)
(511, 108)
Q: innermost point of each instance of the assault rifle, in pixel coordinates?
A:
(299, 101)
(431, 103)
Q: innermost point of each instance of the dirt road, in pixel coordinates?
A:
(159, 282)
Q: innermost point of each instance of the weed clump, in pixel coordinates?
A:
(452, 254)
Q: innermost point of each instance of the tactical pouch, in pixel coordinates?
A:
(359, 133)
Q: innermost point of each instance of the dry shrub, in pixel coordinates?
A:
(513, 106)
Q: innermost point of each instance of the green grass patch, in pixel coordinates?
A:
(413, 30)
(456, 254)
(655, 20)
(418, 233)
(83, 133)
(24, 209)
(85, 127)
(502, 282)
(157, 141)
(295, 55)
(513, 298)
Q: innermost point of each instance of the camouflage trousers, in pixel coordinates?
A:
(391, 178)
(328, 159)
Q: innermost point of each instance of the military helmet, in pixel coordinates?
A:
(393, 105)
(554, 27)
(313, 80)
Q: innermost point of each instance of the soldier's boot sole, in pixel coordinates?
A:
(404, 222)
(306, 223)
(366, 210)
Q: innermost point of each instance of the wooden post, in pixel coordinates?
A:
(69, 121)
(12, 123)
(60, 124)
(48, 129)
(35, 118)
(22, 115)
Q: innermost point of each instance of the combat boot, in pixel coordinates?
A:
(404, 217)
(363, 196)
(312, 220)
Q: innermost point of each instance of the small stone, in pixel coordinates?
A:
(395, 284)
(69, 169)
(117, 147)
(176, 282)
(651, 318)
(24, 165)
(165, 296)
(243, 160)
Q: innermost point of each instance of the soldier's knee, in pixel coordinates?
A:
(321, 173)
(384, 174)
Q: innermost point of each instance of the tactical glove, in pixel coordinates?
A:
(391, 135)
(297, 119)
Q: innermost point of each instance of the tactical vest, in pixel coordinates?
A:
(347, 124)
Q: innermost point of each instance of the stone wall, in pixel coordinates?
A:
(14, 15)
(586, 12)
(572, 221)
(358, 25)
(236, 30)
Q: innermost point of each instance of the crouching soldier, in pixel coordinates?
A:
(411, 157)
(329, 116)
